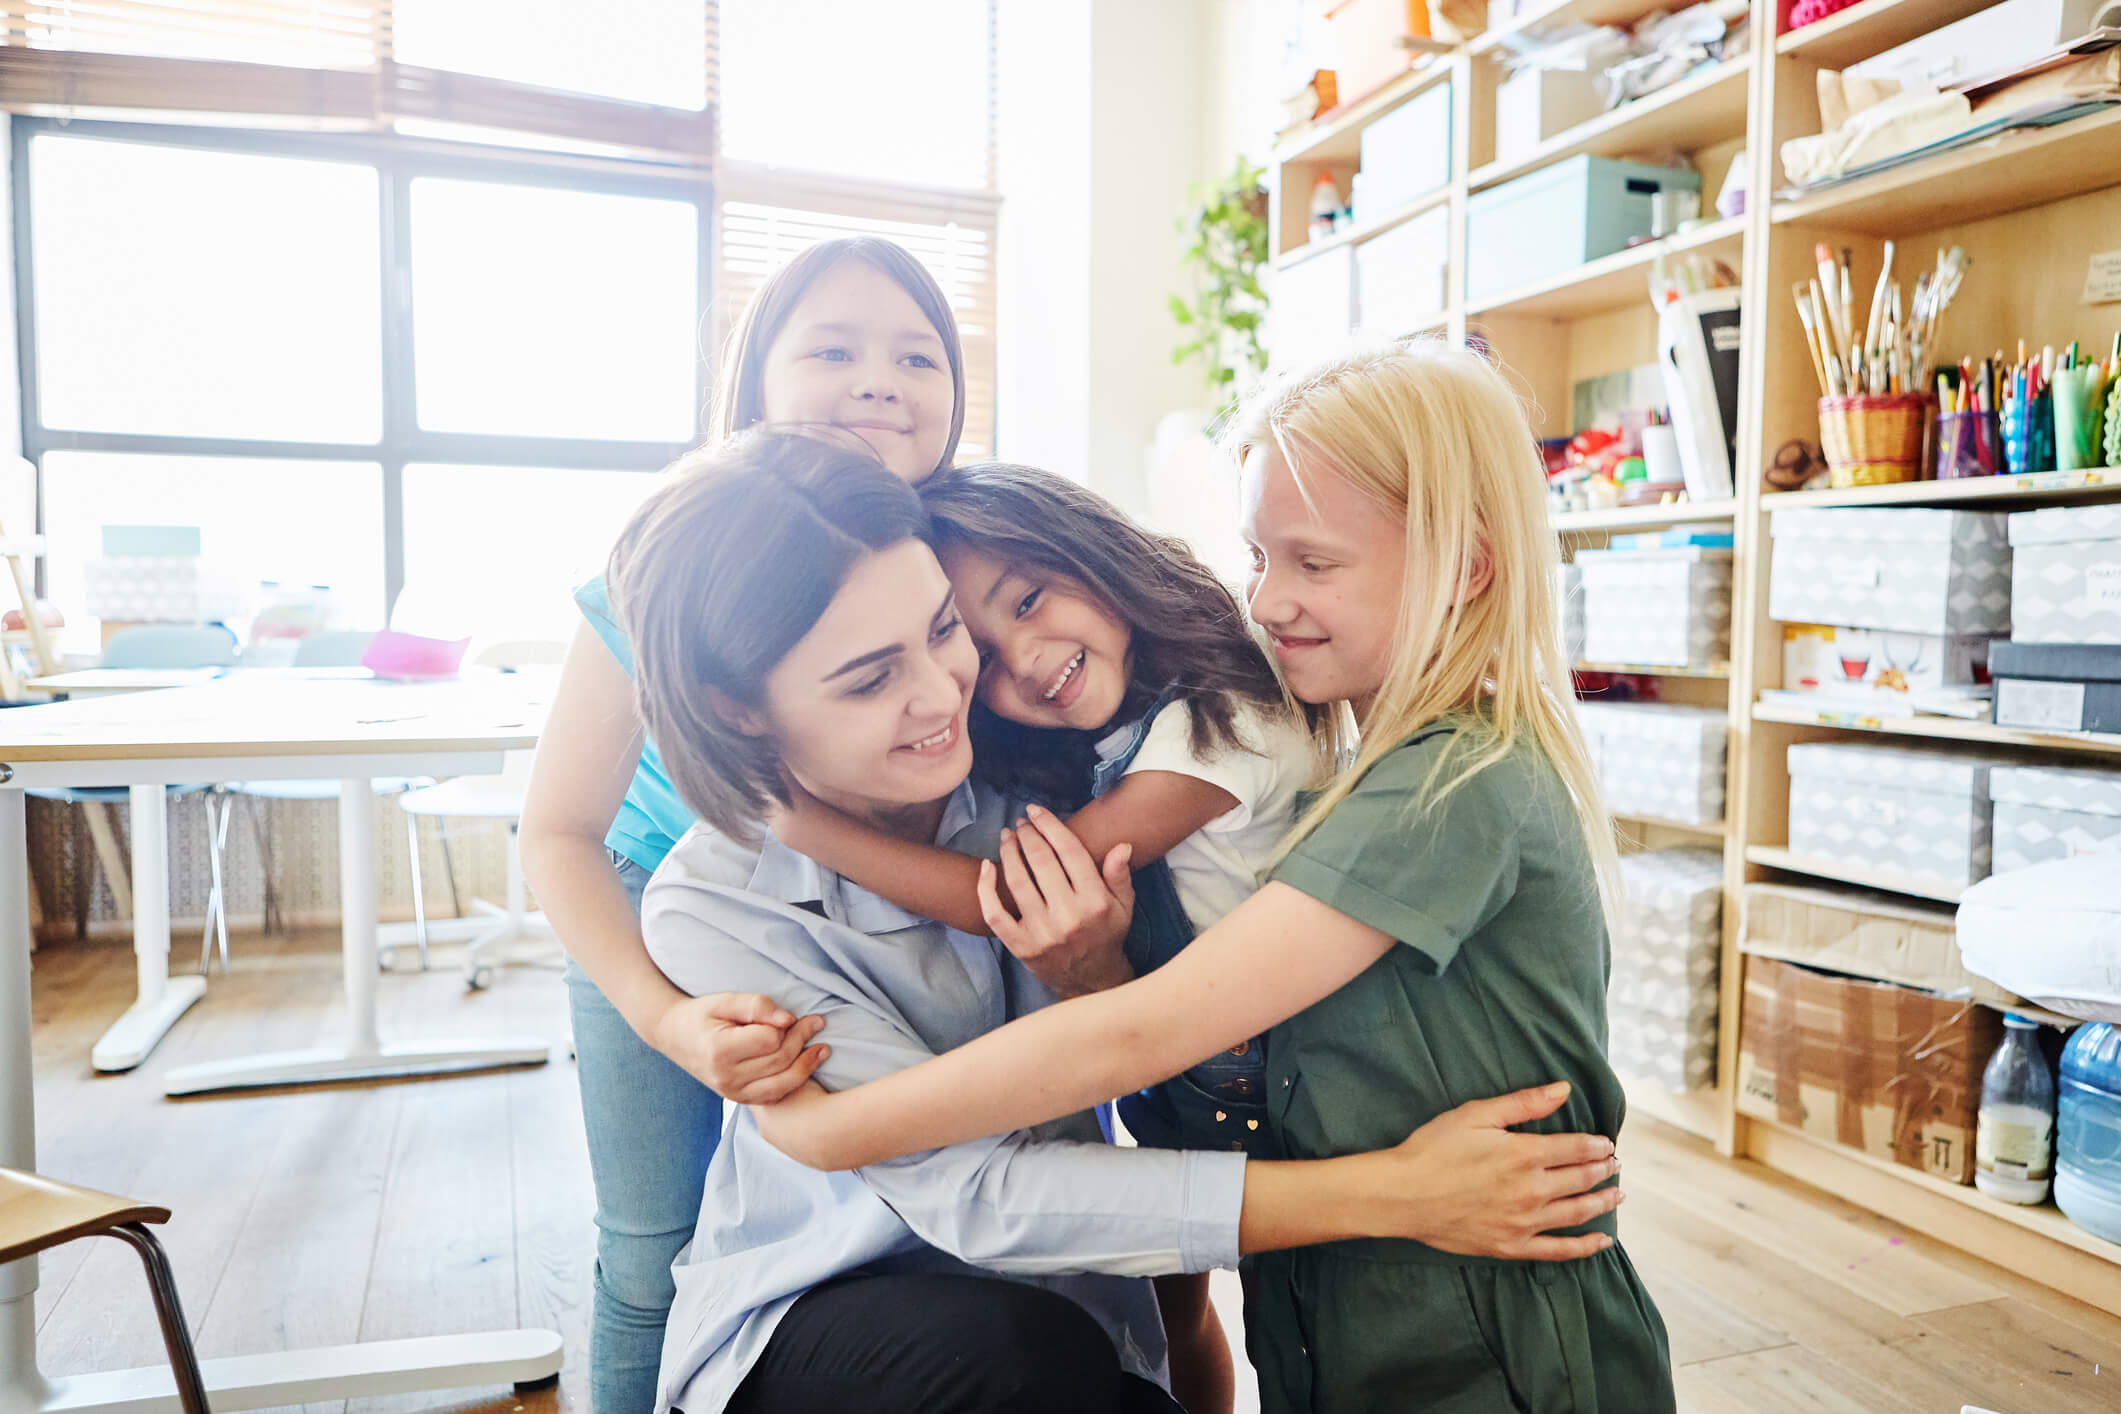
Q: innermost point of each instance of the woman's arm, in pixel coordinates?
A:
(586, 759)
(1148, 810)
(1236, 980)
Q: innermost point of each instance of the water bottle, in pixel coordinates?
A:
(2014, 1138)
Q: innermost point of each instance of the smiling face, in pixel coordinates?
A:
(868, 708)
(1326, 578)
(857, 353)
(1050, 654)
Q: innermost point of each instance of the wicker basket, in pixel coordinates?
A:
(1873, 439)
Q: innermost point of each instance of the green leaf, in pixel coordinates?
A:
(1179, 310)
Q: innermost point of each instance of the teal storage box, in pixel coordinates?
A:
(1548, 222)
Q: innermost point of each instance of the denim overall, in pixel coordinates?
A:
(1220, 1103)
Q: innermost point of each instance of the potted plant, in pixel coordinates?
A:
(1221, 321)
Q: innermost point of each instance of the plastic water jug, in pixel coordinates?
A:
(2088, 1136)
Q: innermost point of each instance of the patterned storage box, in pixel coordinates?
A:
(1903, 810)
(2054, 812)
(1658, 760)
(1568, 610)
(2066, 575)
(1661, 998)
(1911, 571)
(160, 589)
(1665, 607)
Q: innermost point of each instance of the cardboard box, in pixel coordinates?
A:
(2066, 575)
(1938, 572)
(2054, 812)
(1906, 810)
(1888, 1070)
(1665, 607)
(1882, 936)
(1815, 656)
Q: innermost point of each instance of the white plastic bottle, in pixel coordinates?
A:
(2014, 1140)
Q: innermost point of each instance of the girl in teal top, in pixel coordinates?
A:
(1434, 932)
(854, 338)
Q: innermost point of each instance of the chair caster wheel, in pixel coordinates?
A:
(478, 979)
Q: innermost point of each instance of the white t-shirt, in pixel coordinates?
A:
(1217, 867)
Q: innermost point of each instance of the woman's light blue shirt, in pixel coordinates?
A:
(651, 818)
(1054, 1206)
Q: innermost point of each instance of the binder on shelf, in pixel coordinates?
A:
(1697, 352)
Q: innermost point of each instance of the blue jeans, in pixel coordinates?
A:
(652, 1128)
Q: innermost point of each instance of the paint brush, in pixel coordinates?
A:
(1811, 335)
(1870, 329)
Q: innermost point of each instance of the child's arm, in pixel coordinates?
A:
(1233, 982)
(1149, 810)
(586, 758)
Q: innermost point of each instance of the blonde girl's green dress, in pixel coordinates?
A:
(1498, 985)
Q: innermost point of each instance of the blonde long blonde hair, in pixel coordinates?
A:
(1435, 436)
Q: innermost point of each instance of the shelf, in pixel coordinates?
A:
(1296, 255)
(2094, 485)
(1719, 830)
(1942, 729)
(1643, 517)
(1698, 1112)
(1871, 28)
(1656, 670)
(28, 547)
(2045, 1219)
(1775, 857)
(1337, 138)
(1616, 280)
(1691, 113)
(2007, 172)
(1564, 12)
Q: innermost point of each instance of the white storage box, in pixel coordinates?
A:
(1902, 810)
(1406, 154)
(1945, 573)
(2066, 575)
(1534, 104)
(2051, 933)
(160, 589)
(2055, 812)
(1658, 760)
(1661, 997)
(1666, 607)
(1312, 307)
(1399, 276)
(1568, 610)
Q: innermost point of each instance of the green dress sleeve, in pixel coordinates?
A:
(1431, 878)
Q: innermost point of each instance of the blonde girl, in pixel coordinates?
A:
(852, 338)
(1435, 930)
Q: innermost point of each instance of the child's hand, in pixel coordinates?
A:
(1071, 916)
(1466, 1182)
(742, 1046)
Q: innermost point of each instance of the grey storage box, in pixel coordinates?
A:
(1548, 222)
(2066, 575)
(1658, 760)
(1661, 996)
(1667, 608)
(1944, 573)
(1916, 811)
(1399, 276)
(1568, 610)
(2055, 812)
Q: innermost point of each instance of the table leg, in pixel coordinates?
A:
(365, 1055)
(162, 998)
(20, 1384)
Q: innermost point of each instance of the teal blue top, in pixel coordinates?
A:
(651, 818)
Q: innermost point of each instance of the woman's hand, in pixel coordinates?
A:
(742, 1046)
(1466, 1182)
(1070, 915)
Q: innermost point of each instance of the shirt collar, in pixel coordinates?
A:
(794, 878)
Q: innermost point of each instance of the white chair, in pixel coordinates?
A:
(492, 798)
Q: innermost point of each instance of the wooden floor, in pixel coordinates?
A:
(461, 1204)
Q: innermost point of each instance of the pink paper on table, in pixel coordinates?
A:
(407, 655)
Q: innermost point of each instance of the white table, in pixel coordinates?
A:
(248, 730)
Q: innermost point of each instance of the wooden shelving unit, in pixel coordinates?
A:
(2030, 207)
(1717, 671)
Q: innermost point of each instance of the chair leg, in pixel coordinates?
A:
(449, 868)
(220, 806)
(176, 1336)
(419, 888)
(261, 836)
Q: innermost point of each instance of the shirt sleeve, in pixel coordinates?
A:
(1249, 775)
(1430, 877)
(1012, 1203)
(594, 600)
